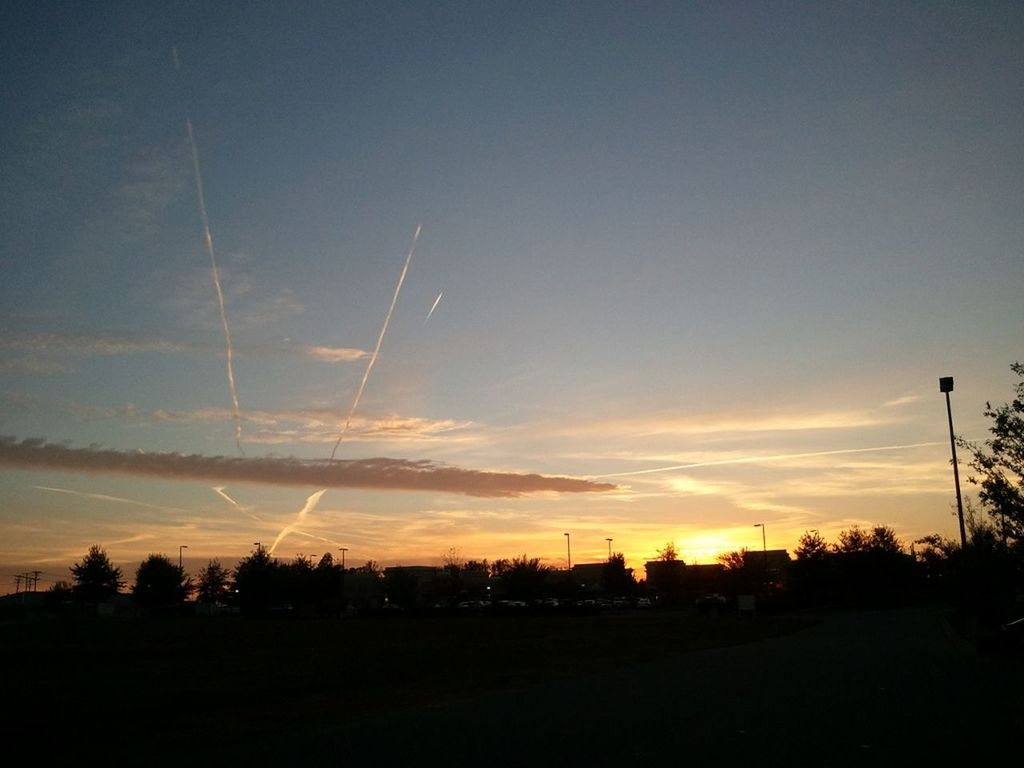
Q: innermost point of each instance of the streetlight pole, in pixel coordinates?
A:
(343, 550)
(609, 548)
(946, 386)
(764, 544)
(568, 552)
(258, 546)
(183, 546)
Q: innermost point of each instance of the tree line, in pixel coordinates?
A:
(863, 566)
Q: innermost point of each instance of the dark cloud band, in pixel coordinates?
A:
(373, 474)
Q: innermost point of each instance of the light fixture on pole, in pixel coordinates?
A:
(343, 550)
(764, 544)
(946, 386)
(183, 546)
(609, 548)
(258, 545)
(568, 552)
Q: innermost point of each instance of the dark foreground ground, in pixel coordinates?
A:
(840, 688)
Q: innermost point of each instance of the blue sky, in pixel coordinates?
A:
(664, 234)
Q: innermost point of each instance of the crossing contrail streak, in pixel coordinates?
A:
(436, 302)
(208, 241)
(758, 459)
(219, 490)
(309, 506)
(380, 340)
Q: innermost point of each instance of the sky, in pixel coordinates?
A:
(649, 272)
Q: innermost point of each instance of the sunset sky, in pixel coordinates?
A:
(682, 268)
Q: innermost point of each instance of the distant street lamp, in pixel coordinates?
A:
(183, 546)
(343, 550)
(609, 548)
(258, 546)
(946, 386)
(764, 544)
(568, 552)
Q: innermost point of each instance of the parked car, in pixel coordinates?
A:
(711, 603)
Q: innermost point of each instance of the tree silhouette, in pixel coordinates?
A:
(258, 582)
(95, 578)
(615, 578)
(883, 540)
(998, 464)
(160, 584)
(811, 547)
(668, 553)
(58, 594)
(853, 539)
(214, 583)
(522, 578)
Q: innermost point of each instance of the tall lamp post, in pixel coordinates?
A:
(946, 386)
(183, 546)
(568, 552)
(764, 544)
(609, 548)
(343, 550)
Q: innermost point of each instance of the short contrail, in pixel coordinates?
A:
(309, 506)
(380, 340)
(436, 302)
(756, 459)
(208, 240)
(219, 490)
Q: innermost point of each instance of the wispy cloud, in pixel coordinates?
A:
(904, 400)
(31, 364)
(375, 473)
(656, 425)
(86, 345)
(335, 354)
(320, 425)
(756, 459)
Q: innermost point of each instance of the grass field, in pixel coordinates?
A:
(178, 681)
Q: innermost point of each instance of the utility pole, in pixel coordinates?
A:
(946, 386)
(764, 545)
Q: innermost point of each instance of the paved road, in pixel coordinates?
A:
(858, 689)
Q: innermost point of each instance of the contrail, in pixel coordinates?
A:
(756, 459)
(219, 490)
(208, 240)
(436, 302)
(309, 506)
(106, 497)
(380, 340)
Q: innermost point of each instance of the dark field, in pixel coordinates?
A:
(181, 682)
